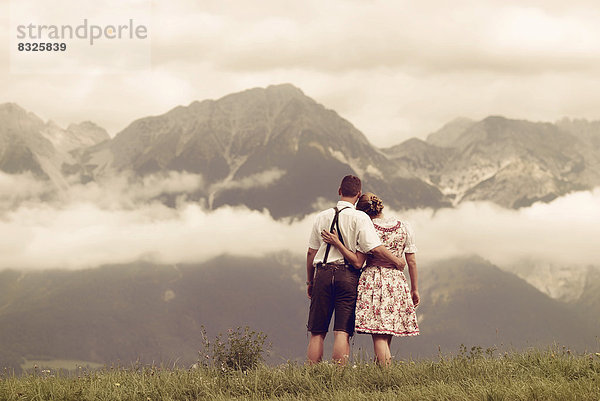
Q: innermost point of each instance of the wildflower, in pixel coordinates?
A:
(117, 384)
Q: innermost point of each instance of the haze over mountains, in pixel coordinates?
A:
(264, 147)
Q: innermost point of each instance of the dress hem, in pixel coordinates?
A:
(394, 333)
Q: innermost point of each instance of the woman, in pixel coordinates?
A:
(385, 306)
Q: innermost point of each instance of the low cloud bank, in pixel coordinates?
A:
(120, 222)
(84, 235)
(564, 231)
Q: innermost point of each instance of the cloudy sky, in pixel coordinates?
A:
(395, 69)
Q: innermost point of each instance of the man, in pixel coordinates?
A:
(334, 287)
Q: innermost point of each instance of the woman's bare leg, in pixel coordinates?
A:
(381, 345)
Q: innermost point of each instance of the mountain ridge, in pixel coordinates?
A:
(252, 133)
(513, 163)
(281, 133)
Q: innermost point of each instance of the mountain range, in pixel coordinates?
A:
(30, 145)
(154, 313)
(265, 147)
(510, 162)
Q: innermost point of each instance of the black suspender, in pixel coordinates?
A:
(334, 223)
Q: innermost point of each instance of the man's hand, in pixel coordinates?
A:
(309, 289)
(310, 270)
(385, 258)
(400, 264)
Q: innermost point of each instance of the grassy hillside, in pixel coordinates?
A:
(533, 375)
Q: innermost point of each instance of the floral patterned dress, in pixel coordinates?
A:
(384, 304)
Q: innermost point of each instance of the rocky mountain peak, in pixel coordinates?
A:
(449, 133)
(11, 108)
(89, 131)
(236, 126)
(497, 133)
(588, 131)
(12, 114)
(257, 147)
(272, 95)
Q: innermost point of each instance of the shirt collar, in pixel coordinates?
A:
(342, 204)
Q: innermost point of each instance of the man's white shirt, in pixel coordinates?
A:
(356, 228)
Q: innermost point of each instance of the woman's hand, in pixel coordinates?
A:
(356, 258)
(331, 238)
(416, 298)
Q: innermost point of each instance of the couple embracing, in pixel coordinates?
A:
(374, 299)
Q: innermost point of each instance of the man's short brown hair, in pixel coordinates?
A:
(350, 186)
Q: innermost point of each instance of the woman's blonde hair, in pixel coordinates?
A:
(370, 204)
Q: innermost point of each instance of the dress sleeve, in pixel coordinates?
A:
(367, 236)
(314, 242)
(409, 246)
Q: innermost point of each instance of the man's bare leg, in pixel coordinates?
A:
(315, 347)
(341, 346)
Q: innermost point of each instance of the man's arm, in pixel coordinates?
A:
(384, 254)
(310, 270)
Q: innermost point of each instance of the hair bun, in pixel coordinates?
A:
(373, 206)
(376, 204)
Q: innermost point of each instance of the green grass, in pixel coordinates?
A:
(66, 364)
(530, 375)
